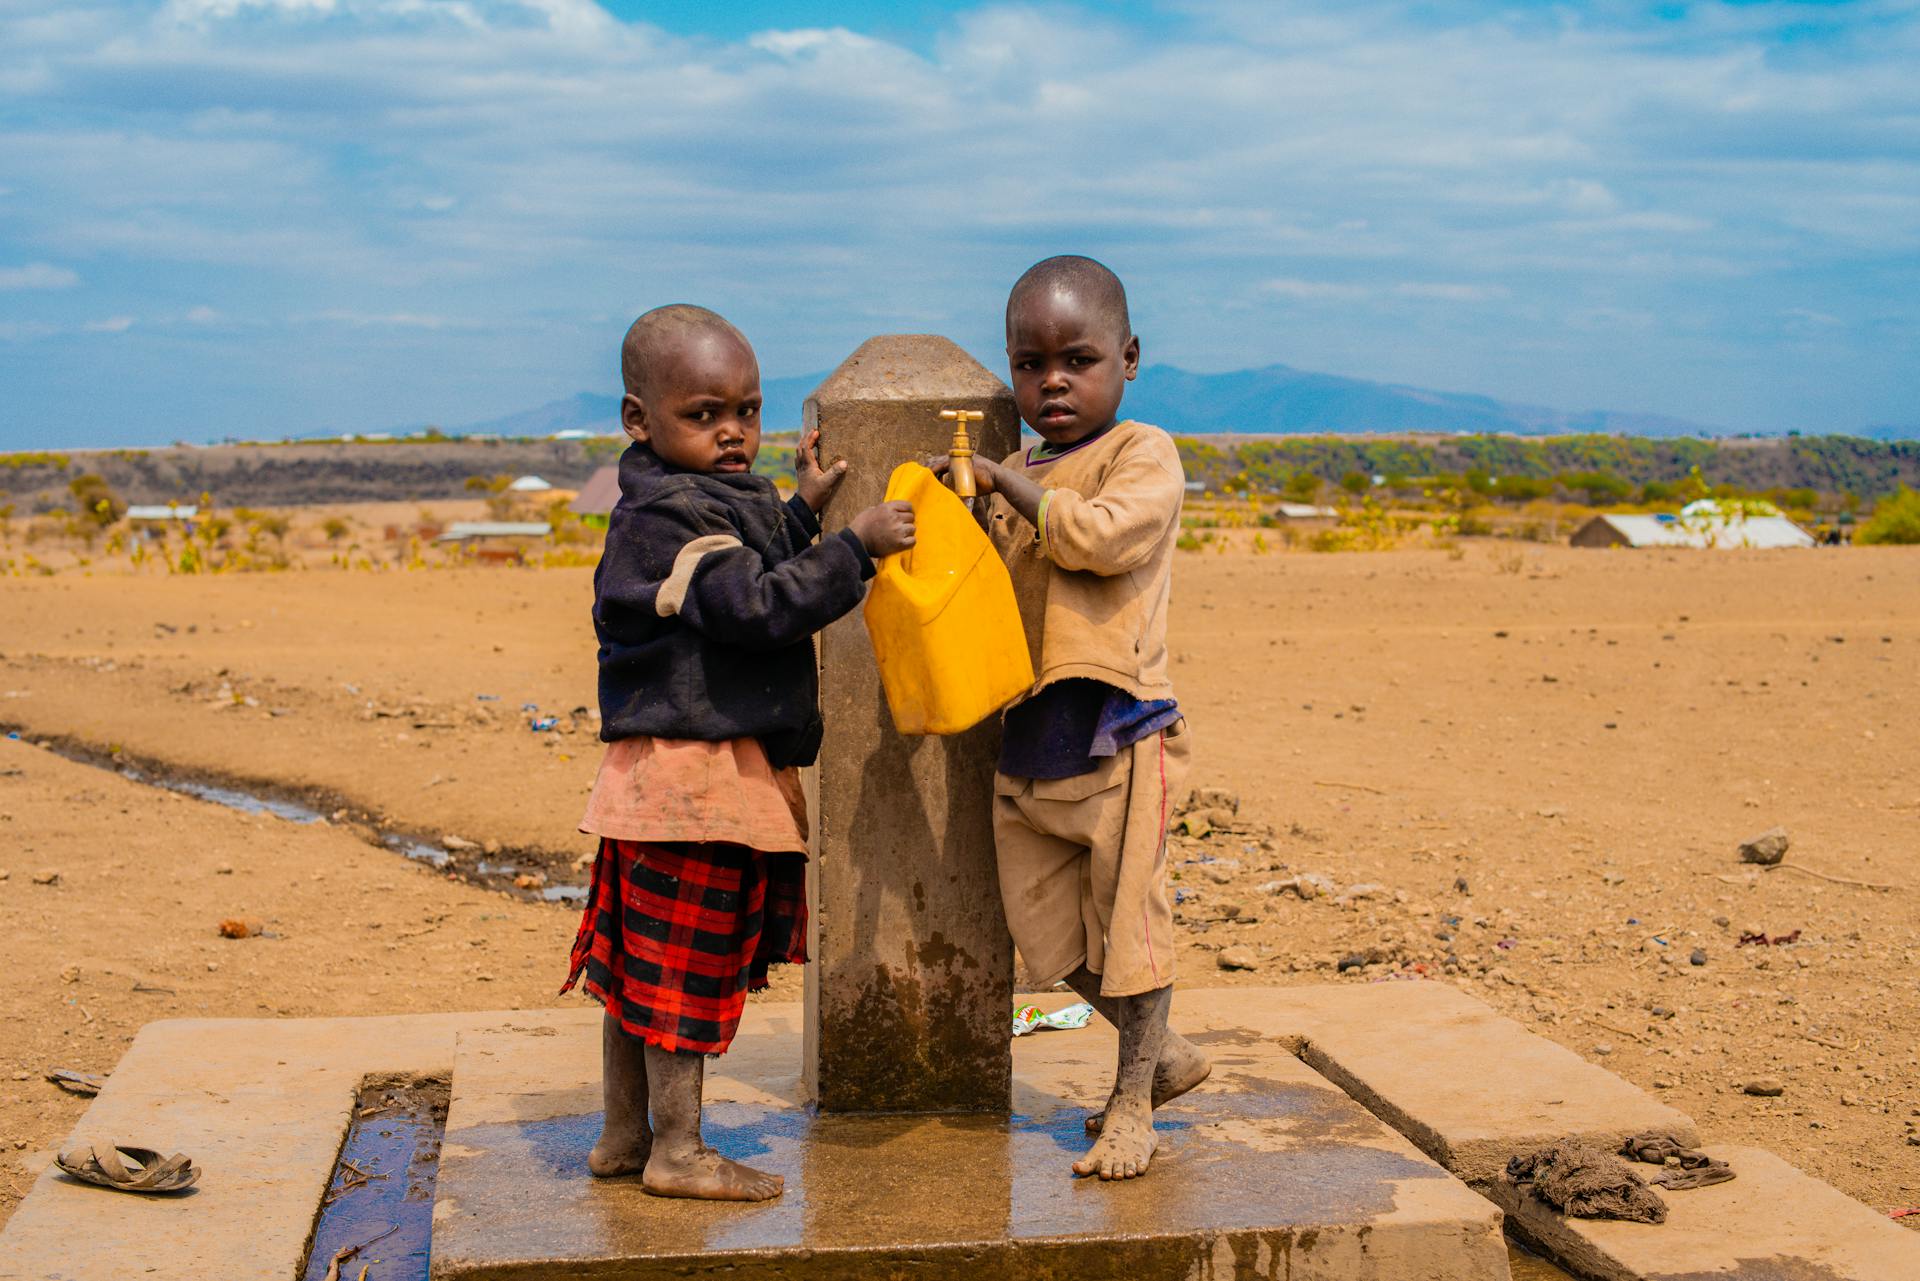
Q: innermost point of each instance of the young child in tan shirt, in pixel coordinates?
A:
(1086, 521)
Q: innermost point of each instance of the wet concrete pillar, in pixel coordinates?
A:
(911, 987)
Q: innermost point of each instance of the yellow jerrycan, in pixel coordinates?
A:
(942, 617)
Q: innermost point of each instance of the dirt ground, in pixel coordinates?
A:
(1522, 771)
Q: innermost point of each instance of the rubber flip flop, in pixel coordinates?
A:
(129, 1169)
(82, 1083)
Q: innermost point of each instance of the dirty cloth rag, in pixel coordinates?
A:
(1581, 1180)
(1682, 1167)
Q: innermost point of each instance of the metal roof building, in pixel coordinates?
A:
(599, 494)
(462, 531)
(1692, 528)
(1305, 511)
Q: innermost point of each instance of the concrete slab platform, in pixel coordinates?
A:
(1772, 1223)
(261, 1105)
(1469, 1086)
(1266, 1171)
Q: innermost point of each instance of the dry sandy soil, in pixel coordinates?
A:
(1547, 757)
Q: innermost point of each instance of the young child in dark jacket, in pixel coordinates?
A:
(705, 604)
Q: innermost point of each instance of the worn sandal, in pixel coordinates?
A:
(129, 1169)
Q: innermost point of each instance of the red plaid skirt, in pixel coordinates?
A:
(674, 936)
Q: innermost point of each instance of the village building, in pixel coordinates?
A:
(594, 504)
(155, 519)
(1699, 524)
(1304, 511)
(500, 541)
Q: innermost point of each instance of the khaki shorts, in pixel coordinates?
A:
(1083, 866)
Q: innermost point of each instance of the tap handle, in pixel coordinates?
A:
(960, 454)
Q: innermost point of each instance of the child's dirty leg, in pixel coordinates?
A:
(1182, 1065)
(681, 1163)
(625, 1138)
(1127, 1141)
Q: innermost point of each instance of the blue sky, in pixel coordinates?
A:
(260, 217)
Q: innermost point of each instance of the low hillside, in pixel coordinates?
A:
(298, 474)
(1604, 468)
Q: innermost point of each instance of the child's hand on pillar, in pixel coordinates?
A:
(816, 484)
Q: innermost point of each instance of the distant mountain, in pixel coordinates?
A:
(594, 412)
(1276, 399)
(1279, 398)
(1892, 431)
(583, 411)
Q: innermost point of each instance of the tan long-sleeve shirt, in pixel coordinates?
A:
(1093, 579)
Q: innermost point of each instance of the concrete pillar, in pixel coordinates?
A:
(911, 986)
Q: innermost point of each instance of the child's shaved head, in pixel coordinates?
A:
(1098, 290)
(693, 390)
(664, 330)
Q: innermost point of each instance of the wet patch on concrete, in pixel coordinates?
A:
(864, 1183)
(1264, 1166)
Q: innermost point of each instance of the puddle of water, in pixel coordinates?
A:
(495, 875)
(1524, 1265)
(232, 798)
(397, 1155)
(417, 850)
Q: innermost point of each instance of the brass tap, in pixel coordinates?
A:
(960, 467)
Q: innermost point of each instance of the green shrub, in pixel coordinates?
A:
(1599, 487)
(17, 461)
(1522, 489)
(96, 499)
(1895, 520)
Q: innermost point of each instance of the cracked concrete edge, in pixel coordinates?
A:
(1465, 1084)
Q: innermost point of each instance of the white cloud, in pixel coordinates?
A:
(1807, 319)
(202, 315)
(512, 164)
(111, 325)
(1432, 291)
(37, 275)
(810, 40)
(1313, 290)
(1440, 292)
(388, 320)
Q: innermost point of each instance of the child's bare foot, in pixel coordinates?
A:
(618, 1154)
(1182, 1066)
(707, 1176)
(1125, 1147)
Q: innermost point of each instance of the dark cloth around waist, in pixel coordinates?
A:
(1068, 727)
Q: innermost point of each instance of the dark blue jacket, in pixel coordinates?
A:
(706, 601)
